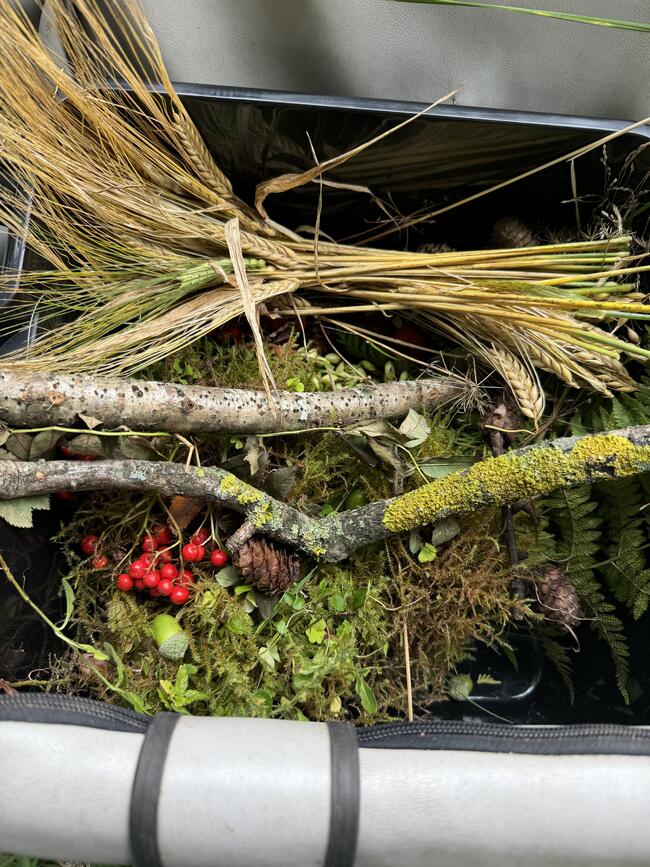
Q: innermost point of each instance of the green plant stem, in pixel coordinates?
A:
(562, 16)
(84, 648)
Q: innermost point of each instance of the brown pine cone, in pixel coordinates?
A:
(557, 597)
(511, 232)
(266, 565)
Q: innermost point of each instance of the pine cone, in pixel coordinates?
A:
(557, 597)
(265, 565)
(511, 232)
(436, 247)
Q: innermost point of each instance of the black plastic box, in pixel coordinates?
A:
(442, 157)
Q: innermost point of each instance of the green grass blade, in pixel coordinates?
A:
(562, 16)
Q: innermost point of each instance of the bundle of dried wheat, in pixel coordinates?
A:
(151, 248)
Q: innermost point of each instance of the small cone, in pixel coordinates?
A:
(265, 565)
(436, 248)
(557, 597)
(511, 232)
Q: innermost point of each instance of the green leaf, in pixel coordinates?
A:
(227, 577)
(428, 553)
(316, 632)
(268, 656)
(359, 598)
(281, 627)
(444, 531)
(43, 444)
(415, 428)
(18, 512)
(134, 448)
(20, 445)
(295, 384)
(488, 680)
(460, 687)
(337, 602)
(280, 482)
(415, 541)
(69, 602)
(367, 696)
(562, 16)
(87, 444)
(438, 468)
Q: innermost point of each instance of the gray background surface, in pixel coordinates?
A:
(376, 48)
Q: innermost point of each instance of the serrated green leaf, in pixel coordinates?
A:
(18, 512)
(488, 680)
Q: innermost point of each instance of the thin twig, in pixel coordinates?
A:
(407, 666)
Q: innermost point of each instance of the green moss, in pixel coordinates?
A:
(505, 479)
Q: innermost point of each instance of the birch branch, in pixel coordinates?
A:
(36, 399)
(521, 474)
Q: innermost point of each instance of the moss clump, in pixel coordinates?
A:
(505, 479)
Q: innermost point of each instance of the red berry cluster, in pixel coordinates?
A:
(154, 570)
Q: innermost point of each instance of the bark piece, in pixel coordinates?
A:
(26, 401)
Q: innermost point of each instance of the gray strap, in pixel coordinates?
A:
(143, 819)
(344, 812)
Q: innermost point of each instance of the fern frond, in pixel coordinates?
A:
(625, 532)
(579, 540)
(558, 655)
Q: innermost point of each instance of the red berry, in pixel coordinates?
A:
(100, 562)
(66, 496)
(165, 587)
(179, 595)
(162, 535)
(185, 578)
(64, 448)
(88, 544)
(151, 579)
(233, 332)
(148, 559)
(409, 334)
(200, 537)
(78, 456)
(168, 570)
(154, 591)
(138, 584)
(165, 556)
(149, 543)
(218, 557)
(124, 582)
(201, 555)
(191, 552)
(137, 570)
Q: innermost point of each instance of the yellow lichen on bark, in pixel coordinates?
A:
(504, 480)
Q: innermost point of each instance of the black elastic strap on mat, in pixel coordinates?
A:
(344, 813)
(143, 819)
(34, 707)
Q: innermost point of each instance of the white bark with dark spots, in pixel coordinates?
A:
(40, 400)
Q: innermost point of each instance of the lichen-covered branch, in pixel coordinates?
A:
(40, 399)
(530, 472)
